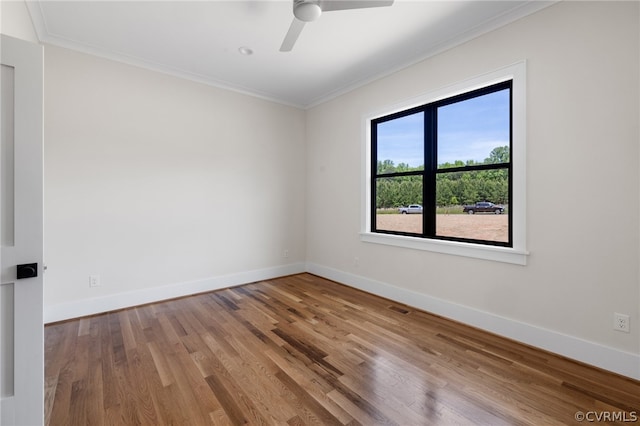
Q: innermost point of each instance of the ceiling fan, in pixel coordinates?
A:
(309, 10)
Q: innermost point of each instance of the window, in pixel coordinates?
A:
(446, 173)
(451, 156)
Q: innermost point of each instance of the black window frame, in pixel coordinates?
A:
(431, 165)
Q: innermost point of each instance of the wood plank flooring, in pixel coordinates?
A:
(302, 350)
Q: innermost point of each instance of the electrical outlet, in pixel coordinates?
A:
(621, 322)
(285, 254)
(94, 281)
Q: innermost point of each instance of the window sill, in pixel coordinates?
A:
(477, 251)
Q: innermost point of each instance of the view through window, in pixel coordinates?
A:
(443, 170)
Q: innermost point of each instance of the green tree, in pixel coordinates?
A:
(499, 154)
(386, 166)
(464, 187)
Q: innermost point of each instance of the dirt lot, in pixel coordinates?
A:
(489, 227)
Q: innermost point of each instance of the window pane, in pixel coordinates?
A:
(474, 131)
(473, 205)
(394, 193)
(401, 144)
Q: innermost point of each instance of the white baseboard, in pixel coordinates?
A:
(85, 307)
(624, 363)
(615, 360)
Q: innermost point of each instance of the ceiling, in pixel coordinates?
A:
(200, 40)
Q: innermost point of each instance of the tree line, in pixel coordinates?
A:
(452, 189)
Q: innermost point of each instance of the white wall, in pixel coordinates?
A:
(162, 186)
(582, 178)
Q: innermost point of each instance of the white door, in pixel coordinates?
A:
(21, 317)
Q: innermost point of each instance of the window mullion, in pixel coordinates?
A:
(429, 177)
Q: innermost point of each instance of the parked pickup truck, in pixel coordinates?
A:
(413, 208)
(483, 207)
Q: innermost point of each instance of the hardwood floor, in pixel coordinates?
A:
(304, 350)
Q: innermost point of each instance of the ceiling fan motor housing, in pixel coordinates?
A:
(306, 10)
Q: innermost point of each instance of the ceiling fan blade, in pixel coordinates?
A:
(329, 5)
(292, 35)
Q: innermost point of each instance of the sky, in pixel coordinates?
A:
(467, 130)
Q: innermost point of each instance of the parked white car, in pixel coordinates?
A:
(413, 208)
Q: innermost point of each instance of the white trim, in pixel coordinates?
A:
(495, 23)
(478, 251)
(516, 254)
(611, 359)
(45, 36)
(85, 307)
